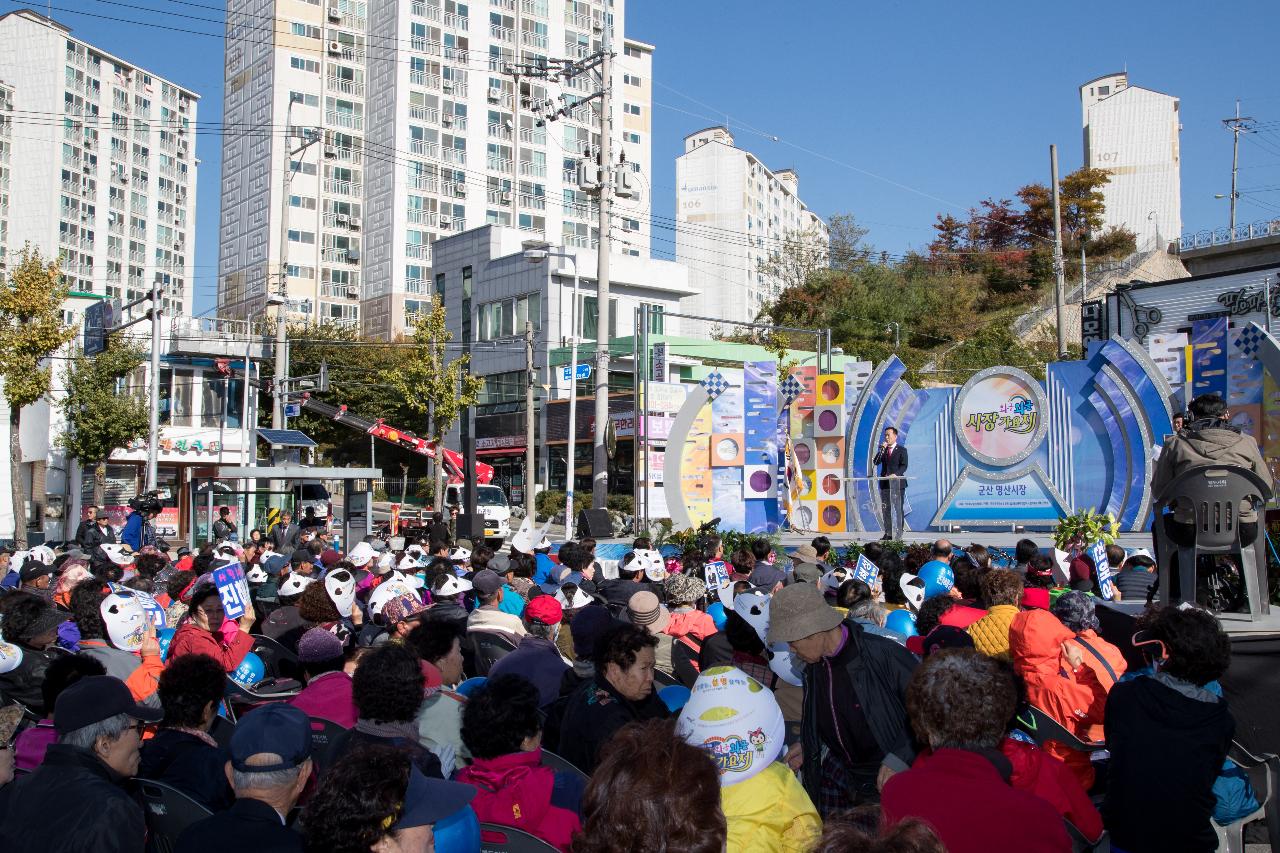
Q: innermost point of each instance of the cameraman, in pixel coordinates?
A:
(138, 529)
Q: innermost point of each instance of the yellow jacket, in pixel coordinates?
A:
(770, 813)
(991, 632)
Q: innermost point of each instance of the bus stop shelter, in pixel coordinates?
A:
(271, 486)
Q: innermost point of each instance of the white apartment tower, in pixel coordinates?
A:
(411, 128)
(733, 213)
(109, 184)
(1134, 132)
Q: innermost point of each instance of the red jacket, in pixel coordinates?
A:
(1039, 773)
(515, 790)
(191, 639)
(1075, 699)
(961, 616)
(971, 807)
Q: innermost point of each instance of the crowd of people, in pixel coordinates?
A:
(392, 699)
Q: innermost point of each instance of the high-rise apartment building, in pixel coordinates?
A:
(101, 164)
(733, 215)
(1134, 133)
(407, 125)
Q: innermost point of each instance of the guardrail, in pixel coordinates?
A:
(1223, 236)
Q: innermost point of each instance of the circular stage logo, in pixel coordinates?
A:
(999, 416)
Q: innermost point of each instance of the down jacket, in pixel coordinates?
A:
(516, 790)
(1074, 698)
(770, 813)
(991, 632)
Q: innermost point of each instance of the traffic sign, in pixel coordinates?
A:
(99, 318)
(581, 371)
(292, 410)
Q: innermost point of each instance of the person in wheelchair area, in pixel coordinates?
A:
(1208, 439)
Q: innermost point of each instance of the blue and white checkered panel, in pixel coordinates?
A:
(790, 388)
(1249, 339)
(715, 383)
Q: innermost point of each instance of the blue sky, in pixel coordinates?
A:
(893, 111)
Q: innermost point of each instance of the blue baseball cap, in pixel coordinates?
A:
(427, 801)
(938, 578)
(276, 728)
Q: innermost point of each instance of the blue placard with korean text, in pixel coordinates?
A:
(866, 571)
(1098, 551)
(233, 589)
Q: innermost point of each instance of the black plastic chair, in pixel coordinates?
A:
(487, 648)
(323, 734)
(279, 661)
(506, 839)
(1080, 844)
(663, 679)
(221, 730)
(1043, 729)
(561, 764)
(1214, 493)
(168, 812)
(267, 690)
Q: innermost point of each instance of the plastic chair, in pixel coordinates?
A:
(1080, 844)
(278, 659)
(562, 765)
(663, 679)
(487, 648)
(267, 690)
(1215, 493)
(221, 730)
(506, 839)
(168, 812)
(323, 734)
(1043, 728)
(1231, 836)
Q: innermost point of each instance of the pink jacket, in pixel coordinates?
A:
(515, 790)
(328, 697)
(191, 639)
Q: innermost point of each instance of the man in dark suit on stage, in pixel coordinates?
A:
(892, 459)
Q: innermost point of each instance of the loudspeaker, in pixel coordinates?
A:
(470, 527)
(595, 523)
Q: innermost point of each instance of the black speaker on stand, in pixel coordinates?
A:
(595, 523)
(470, 527)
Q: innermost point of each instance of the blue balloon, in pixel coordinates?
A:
(716, 611)
(458, 833)
(471, 685)
(901, 621)
(938, 578)
(250, 671)
(674, 696)
(165, 636)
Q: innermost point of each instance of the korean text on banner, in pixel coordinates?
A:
(233, 589)
(866, 571)
(1098, 551)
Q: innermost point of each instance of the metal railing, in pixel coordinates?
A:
(1222, 236)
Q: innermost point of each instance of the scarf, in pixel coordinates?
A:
(405, 729)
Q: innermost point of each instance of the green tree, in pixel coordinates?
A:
(433, 386)
(31, 330)
(100, 416)
(1080, 200)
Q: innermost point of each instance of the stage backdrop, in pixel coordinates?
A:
(1005, 448)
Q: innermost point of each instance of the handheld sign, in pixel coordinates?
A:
(152, 608)
(1098, 551)
(717, 576)
(866, 571)
(233, 589)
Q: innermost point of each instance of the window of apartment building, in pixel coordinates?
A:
(631, 80)
(630, 224)
(633, 137)
(296, 271)
(302, 202)
(631, 109)
(440, 286)
(505, 318)
(307, 237)
(590, 315)
(303, 168)
(633, 52)
(302, 64)
(310, 31)
(503, 387)
(304, 99)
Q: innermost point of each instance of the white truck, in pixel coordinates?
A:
(491, 502)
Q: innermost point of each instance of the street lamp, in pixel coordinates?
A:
(535, 252)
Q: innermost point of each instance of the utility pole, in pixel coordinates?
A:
(600, 458)
(1059, 268)
(605, 183)
(1237, 124)
(153, 436)
(529, 420)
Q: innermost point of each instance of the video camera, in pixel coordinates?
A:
(148, 504)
